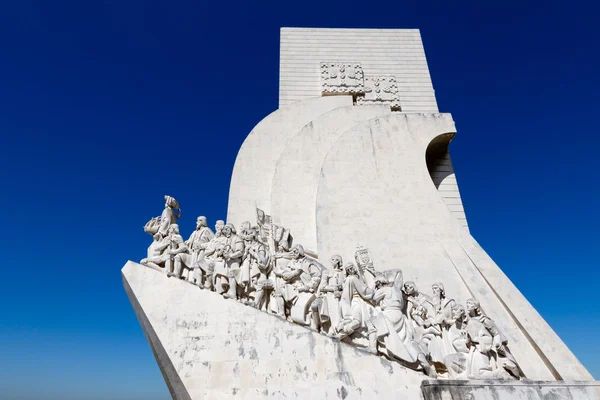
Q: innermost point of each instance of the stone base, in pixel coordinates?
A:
(208, 347)
(510, 390)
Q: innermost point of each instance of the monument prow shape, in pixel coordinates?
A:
(355, 164)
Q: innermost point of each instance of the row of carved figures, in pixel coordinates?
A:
(259, 266)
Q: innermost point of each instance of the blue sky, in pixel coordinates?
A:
(107, 106)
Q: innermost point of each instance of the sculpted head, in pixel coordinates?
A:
(473, 306)
(228, 230)
(219, 227)
(201, 222)
(421, 311)
(410, 288)
(250, 234)
(171, 202)
(438, 290)
(336, 261)
(298, 251)
(350, 269)
(245, 226)
(458, 312)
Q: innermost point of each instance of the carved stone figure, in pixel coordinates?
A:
(300, 279)
(354, 306)
(439, 346)
(155, 252)
(504, 360)
(198, 243)
(326, 309)
(176, 247)
(256, 270)
(232, 254)
(212, 257)
(421, 313)
(456, 362)
(392, 332)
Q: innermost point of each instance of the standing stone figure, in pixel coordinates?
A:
(257, 267)
(326, 309)
(213, 257)
(355, 307)
(232, 254)
(439, 346)
(198, 243)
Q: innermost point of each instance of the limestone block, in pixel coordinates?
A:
(208, 347)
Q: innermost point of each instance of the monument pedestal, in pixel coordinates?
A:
(209, 347)
(510, 390)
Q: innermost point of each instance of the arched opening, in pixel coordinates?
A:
(442, 175)
(438, 158)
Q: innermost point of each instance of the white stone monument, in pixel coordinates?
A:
(346, 269)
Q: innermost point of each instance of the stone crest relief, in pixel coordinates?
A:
(341, 78)
(380, 90)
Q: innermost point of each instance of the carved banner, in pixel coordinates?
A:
(380, 90)
(341, 78)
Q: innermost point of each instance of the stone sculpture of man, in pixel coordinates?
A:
(354, 306)
(301, 278)
(391, 327)
(440, 346)
(456, 362)
(176, 247)
(256, 269)
(155, 252)
(416, 298)
(232, 254)
(213, 258)
(499, 343)
(421, 313)
(169, 216)
(326, 308)
(197, 244)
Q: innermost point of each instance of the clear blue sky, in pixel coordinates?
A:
(105, 108)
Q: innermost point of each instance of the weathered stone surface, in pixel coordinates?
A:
(211, 348)
(374, 188)
(296, 179)
(501, 390)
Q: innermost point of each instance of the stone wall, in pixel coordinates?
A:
(208, 347)
(397, 52)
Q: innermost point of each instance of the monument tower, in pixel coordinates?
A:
(347, 248)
